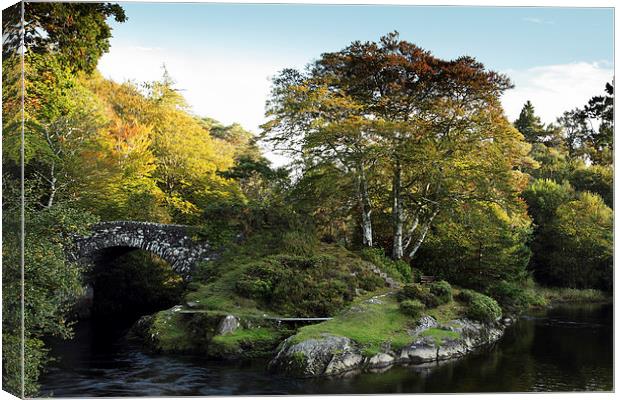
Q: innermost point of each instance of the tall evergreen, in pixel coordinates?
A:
(534, 131)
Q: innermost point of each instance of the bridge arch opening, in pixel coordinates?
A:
(126, 283)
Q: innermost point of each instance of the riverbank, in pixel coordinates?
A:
(375, 335)
(376, 331)
(258, 302)
(544, 297)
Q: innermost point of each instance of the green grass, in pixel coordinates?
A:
(372, 326)
(213, 294)
(440, 335)
(449, 311)
(246, 343)
(169, 332)
(246, 336)
(369, 325)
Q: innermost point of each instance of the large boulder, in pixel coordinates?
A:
(227, 325)
(327, 355)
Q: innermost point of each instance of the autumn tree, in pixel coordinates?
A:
(318, 124)
(61, 119)
(434, 127)
(188, 159)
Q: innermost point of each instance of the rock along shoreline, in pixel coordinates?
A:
(331, 355)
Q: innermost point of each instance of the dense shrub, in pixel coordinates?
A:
(512, 298)
(259, 280)
(480, 307)
(442, 290)
(399, 270)
(416, 291)
(412, 308)
(477, 244)
(405, 270)
(368, 280)
(573, 242)
(306, 286)
(299, 242)
(596, 179)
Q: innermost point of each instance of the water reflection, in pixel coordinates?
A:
(564, 349)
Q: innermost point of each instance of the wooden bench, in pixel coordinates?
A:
(427, 279)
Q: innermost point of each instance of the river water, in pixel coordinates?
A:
(567, 348)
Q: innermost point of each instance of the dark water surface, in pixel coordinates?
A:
(567, 348)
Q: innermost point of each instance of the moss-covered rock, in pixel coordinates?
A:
(246, 343)
(210, 333)
(374, 334)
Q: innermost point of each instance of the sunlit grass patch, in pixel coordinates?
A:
(369, 325)
(440, 335)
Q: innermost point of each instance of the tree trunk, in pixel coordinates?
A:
(411, 231)
(364, 202)
(397, 214)
(420, 239)
(53, 189)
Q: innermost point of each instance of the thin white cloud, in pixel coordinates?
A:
(553, 89)
(540, 21)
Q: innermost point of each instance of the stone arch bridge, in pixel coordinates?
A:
(173, 243)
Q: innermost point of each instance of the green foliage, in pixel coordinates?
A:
(477, 245)
(583, 253)
(412, 308)
(299, 242)
(549, 163)
(595, 179)
(77, 33)
(301, 285)
(589, 130)
(442, 290)
(480, 307)
(544, 196)
(51, 285)
(371, 156)
(396, 269)
(416, 291)
(257, 276)
(533, 130)
(573, 239)
(512, 298)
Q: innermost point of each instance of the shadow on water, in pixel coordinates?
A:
(569, 348)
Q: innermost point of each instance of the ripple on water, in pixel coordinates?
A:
(566, 350)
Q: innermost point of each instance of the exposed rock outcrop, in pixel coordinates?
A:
(334, 355)
(228, 324)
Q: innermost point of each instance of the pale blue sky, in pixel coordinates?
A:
(222, 55)
(500, 37)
